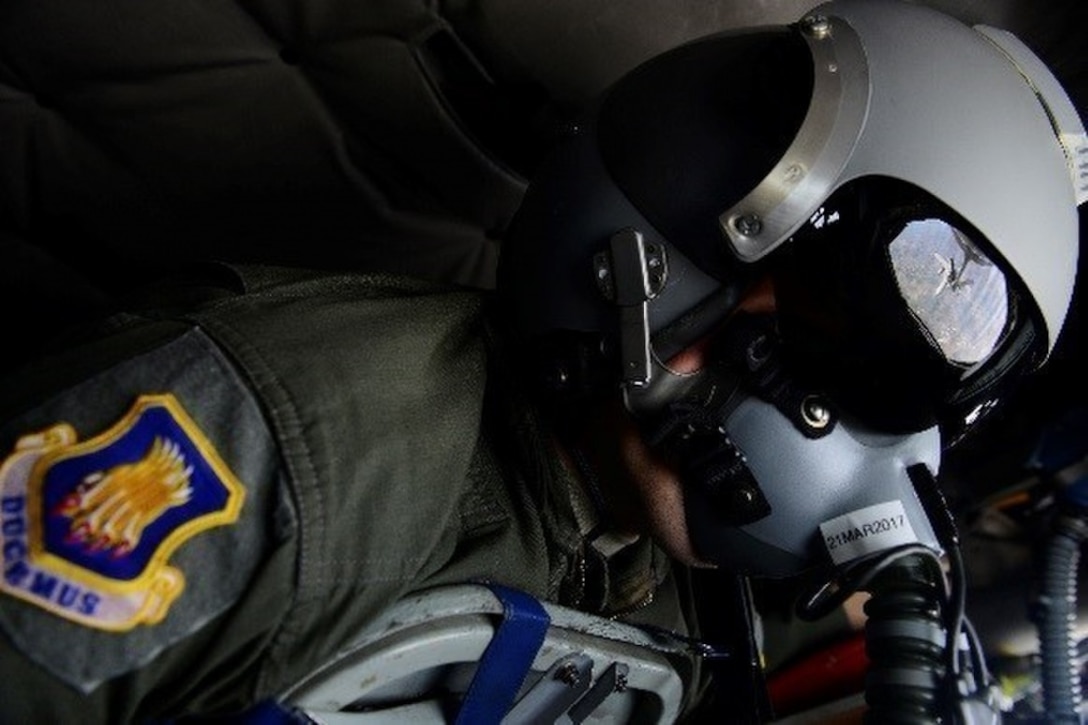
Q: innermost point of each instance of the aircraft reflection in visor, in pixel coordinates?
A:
(952, 276)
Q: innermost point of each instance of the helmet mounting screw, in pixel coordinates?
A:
(750, 225)
(817, 26)
(815, 412)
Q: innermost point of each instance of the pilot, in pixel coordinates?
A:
(746, 303)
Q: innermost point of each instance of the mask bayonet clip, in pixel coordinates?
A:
(630, 274)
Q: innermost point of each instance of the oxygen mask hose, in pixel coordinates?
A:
(905, 640)
(906, 632)
(926, 662)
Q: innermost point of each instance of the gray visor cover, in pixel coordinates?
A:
(969, 115)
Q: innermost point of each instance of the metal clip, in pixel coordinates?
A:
(631, 273)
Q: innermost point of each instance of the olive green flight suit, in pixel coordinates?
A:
(368, 441)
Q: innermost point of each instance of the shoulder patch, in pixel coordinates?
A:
(136, 508)
(87, 528)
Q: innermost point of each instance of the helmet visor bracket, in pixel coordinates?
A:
(813, 163)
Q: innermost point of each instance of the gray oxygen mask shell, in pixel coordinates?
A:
(844, 494)
(776, 478)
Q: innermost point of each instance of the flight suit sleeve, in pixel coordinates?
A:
(200, 506)
(148, 538)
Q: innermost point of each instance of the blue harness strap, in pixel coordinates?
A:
(507, 659)
(491, 694)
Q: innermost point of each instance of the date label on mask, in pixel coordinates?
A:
(867, 531)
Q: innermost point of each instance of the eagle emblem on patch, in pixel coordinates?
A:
(87, 528)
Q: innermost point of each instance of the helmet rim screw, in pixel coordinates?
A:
(818, 26)
(749, 225)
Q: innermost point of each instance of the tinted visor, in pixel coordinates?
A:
(900, 307)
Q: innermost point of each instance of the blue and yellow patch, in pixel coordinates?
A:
(87, 528)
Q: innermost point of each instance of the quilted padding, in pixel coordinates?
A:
(353, 134)
(135, 136)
